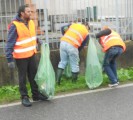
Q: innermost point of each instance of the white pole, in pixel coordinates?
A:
(117, 13)
(45, 21)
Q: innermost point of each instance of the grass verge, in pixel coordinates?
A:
(10, 94)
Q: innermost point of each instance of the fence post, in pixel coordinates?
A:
(117, 17)
(46, 22)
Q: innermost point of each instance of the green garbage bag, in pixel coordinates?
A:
(45, 77)
(93, 73)
(67, 71)
(100, 53)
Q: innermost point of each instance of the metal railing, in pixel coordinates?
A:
(50, 15)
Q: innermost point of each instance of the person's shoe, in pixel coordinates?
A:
(59, 75)
(74, 77)
(113, 85)
(40, 97)
(118, 82)
(26, 102)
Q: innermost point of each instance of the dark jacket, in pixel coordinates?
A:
(11, 40)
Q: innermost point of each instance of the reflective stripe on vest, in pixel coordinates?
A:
(25, 49)
(112, 40)
(75, 35)
(76, 32)
(26, 41)
(72, 39)
(108, 38)
(25, 45)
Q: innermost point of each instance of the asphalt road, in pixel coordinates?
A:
(110, 104)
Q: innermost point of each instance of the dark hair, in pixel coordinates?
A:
(22, 9)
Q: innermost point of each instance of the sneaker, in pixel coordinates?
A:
(26, 102)
(118, 83)
(113, 85)
(40, 97)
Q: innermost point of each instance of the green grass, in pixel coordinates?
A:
(67, 85)
(10, 94)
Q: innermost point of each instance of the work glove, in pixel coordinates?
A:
(40, 41)
(11, 65)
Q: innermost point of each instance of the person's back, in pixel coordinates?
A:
(75, 34)
(113, 39)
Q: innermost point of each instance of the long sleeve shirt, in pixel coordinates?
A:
(103, 33)
(11, 40)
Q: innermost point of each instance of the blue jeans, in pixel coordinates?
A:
(109, 63)
(68, 53)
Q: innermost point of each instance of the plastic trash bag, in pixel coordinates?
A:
(45, 77)
(67, 71)
(93, 74)
(100, 53)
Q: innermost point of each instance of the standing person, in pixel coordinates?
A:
(113, 46)
(21, 45)
(74, 36)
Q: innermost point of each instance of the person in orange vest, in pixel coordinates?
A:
(75, 37)
(113, 46)
(21, 47)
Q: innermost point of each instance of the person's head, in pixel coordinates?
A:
(24, 12)
(105, 27)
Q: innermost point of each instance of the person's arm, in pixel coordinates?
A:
(11, 40)
(103, 33)
(84, 43)
(64, 28)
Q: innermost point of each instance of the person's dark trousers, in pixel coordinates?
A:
(110, 63)
(27, 66)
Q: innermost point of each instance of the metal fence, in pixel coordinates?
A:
(50, 15)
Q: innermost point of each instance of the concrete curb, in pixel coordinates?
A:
(73, 94)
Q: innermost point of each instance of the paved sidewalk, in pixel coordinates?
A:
(101, 104)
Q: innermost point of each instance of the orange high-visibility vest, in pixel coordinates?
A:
(110, 40)
(25, 45)
(75, 35)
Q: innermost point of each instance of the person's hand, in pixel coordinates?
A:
(40, 41)
(11, 65)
